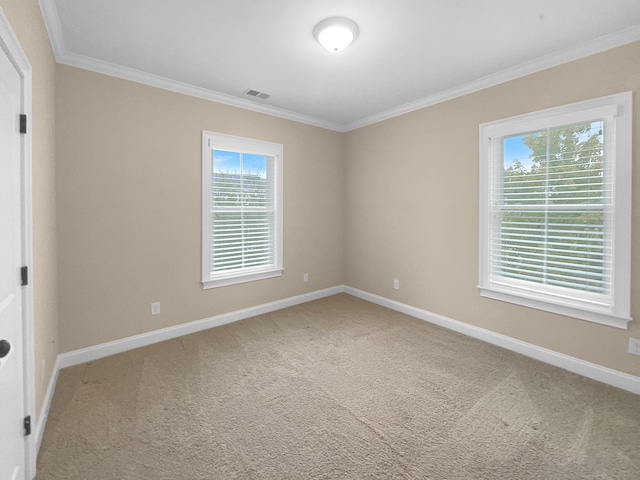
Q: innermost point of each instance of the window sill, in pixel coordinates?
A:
(235, 278)
(601, 317)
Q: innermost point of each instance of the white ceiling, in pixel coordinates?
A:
(409, 53)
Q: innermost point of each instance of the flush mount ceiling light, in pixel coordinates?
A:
(336, 33)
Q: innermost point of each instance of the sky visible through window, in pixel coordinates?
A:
(231, 162)
(515, 149)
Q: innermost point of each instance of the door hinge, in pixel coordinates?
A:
(27, 425)
(24, 276)
(23, 123)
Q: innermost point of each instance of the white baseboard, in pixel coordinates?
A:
(80, 356)
(594, 371)
(591, 370)
(46, 405)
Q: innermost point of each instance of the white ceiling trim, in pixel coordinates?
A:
(54, 29)
(592, 47)
(126, 73)
(56, 37)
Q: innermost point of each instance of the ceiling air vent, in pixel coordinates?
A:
(255, 93)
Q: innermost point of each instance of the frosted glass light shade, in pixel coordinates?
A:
(335, 34)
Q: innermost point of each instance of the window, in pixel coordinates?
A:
(241, 209)
(555, 210)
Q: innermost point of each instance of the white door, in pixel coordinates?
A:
(12, 401)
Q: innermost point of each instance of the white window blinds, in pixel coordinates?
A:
(242, 209)
(552, 208)
(555, 210)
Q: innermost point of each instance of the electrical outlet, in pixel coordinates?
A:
(305, 277)
(155, 308)
(634, 346)
(396, 284)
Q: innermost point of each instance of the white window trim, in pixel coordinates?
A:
(617, 108)
(211, 140)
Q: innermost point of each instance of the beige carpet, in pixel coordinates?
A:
(335, 389)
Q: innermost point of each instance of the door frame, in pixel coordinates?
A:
(12, 48)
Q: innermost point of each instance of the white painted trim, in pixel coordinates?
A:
(591, 47)
(581, 367)
(597, 45)
(223, 281)
(78, 357)
(274, 152)
(54, 28)
(28, 291)
(602, 374)
(43, 414)
(531, 299)
(126, 73)
(613, 308)
(14, 51)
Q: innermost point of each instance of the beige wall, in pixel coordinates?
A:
(129, 207)
(412, 207)
(398, 199)
(26, 21)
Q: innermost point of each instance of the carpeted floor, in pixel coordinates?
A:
(335, 389)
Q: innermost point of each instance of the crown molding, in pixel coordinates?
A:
(54, 29)
(591, 47)
(53, 26)
(126, 73)
(62, 56)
